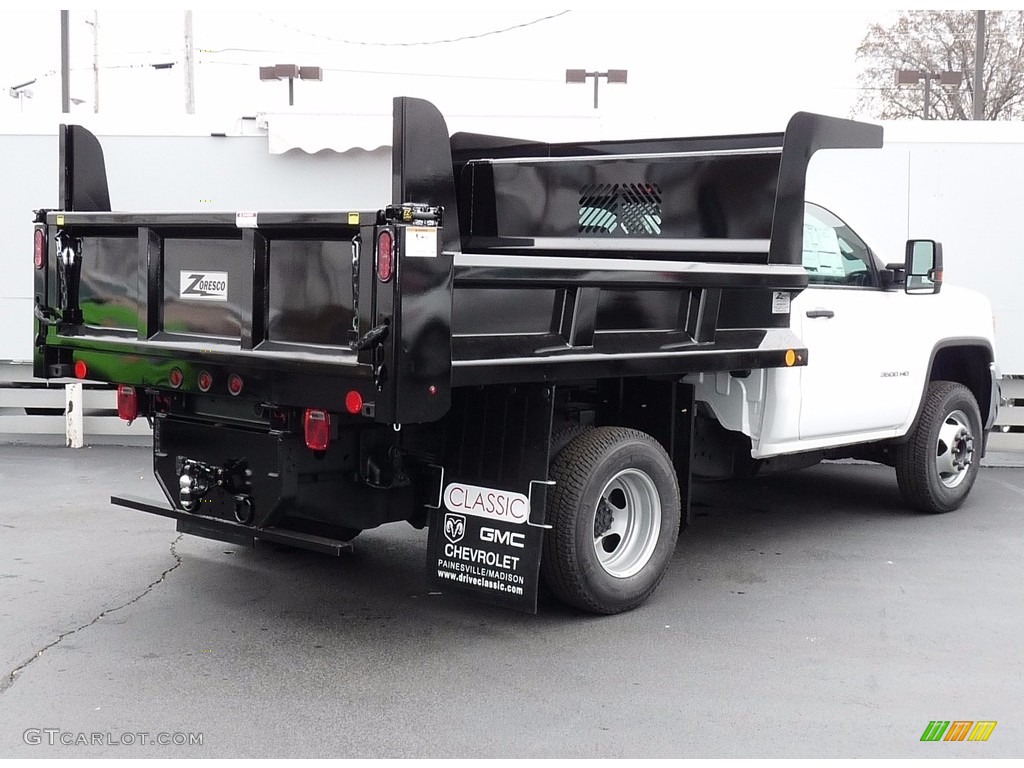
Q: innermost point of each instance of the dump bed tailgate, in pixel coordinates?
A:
(281, 300)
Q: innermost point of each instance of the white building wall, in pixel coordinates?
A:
(960, 184)
(170, 173)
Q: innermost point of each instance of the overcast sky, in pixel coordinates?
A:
(715, 66)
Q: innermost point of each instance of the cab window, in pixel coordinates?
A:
(832, 252)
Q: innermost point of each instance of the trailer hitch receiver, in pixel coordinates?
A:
(193, 484)
(196, 478)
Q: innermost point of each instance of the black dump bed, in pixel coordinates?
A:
(514, 260)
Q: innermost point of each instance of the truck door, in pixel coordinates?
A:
(858, 379)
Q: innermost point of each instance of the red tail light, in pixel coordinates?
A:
(39, 251)
(317, 427)
(127, 403)
(385, 255)
(235, 384)
(175, 377)
(81, 369)
(353, 402)
(205, 381)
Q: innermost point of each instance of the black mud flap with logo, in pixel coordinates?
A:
(483, 543)
(487, 523)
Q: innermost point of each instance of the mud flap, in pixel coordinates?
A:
(483, 542)
(486, 528)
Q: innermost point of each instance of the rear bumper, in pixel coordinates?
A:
(233, 533)
(267, 479)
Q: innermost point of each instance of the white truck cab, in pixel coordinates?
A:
(900, 369)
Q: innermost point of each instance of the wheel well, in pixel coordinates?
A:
(967, 365)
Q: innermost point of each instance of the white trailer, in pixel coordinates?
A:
(958, 183)
(955, 182)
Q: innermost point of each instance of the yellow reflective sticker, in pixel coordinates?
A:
(353, 218)
(60, 221)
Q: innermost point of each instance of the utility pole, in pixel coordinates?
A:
(979, 65)
(95, 23)
(190, 67)
(65, 64)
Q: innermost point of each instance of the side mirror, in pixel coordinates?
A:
(923, 266)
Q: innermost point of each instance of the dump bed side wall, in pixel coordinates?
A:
(712, 199)
(719, 197)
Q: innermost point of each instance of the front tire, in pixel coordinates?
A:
(614, 512)
(937, 466)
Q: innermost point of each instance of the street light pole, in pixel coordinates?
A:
(21, 92)
(291, 72)
(914, 76)
(581, 75)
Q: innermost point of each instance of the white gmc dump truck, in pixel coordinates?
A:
(529, 349)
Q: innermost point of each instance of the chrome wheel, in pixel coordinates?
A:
(954, 450)
(936, 465)
(627, 523)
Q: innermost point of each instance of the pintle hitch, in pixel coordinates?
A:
(195, 479)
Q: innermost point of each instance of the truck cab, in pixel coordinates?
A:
(879, 336)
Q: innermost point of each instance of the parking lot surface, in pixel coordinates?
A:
(804, 615)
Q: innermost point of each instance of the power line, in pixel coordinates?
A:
(391, 72)
(342, 70)
(319, 36)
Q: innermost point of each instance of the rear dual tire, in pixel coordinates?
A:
(614, 515)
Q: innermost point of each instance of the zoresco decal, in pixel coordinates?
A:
(507, 506)
(198, 285)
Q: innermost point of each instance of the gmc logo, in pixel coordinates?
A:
(508, 538)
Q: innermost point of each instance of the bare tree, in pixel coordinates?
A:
(942, 41)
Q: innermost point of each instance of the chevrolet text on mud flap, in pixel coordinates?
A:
(204, 286)
(469, 554)
(506, 506)
(535, 385)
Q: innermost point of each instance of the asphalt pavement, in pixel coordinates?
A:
(807, 615)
